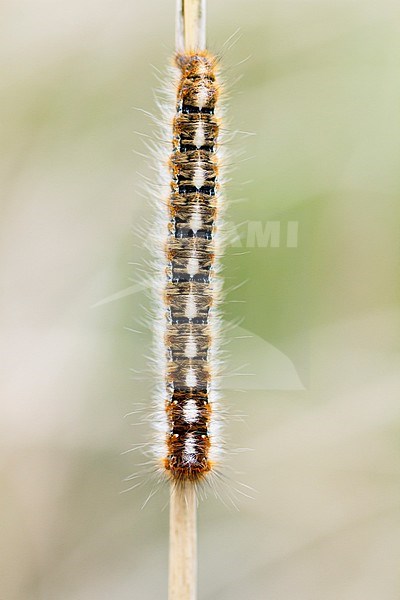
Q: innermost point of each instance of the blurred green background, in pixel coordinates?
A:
(318, 381)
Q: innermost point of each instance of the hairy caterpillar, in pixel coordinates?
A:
(191, 283)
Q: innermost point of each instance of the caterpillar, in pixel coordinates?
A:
(191, 285)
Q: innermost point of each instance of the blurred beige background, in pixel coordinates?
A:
(318, 381)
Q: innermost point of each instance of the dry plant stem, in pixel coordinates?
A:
(190, 25)
(190, 36)
(183, 543)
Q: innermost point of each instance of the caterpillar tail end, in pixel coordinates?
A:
(183, 474)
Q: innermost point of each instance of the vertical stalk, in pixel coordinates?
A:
(190, 37)
(183, 543)
(190, 25)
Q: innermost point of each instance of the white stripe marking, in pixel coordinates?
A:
(199, 138)
(189, 449)
(193, 266)
(196, 221)
(202, 69)
(202, 96)
(191, 308)
(191, 379)
(191, 348)
(190, 411)
(199, 176)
